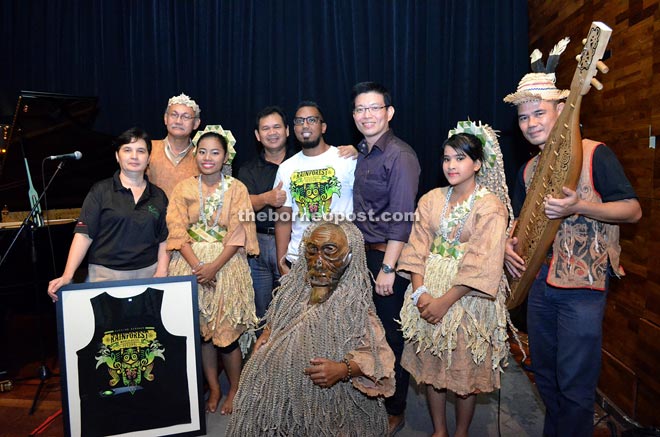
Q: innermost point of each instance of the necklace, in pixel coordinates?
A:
(444, 220)
(215, 200)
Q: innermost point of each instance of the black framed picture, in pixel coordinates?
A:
(130, 358)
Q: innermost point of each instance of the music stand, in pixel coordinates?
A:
(37, 115)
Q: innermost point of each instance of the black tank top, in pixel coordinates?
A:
(132, 375)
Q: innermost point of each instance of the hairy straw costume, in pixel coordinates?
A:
(275, 398)
(466, 350)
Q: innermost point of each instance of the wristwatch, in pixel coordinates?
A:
(386, 268)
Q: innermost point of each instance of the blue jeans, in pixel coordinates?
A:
(565, 328)
(265, 274)
(388, 309)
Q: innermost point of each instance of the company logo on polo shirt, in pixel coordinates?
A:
(153, 210)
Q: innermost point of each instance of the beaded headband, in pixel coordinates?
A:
(183, 99)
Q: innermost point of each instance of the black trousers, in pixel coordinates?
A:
(388, 309)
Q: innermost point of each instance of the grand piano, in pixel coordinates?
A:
(43, 125)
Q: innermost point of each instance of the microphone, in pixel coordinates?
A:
(75, 155)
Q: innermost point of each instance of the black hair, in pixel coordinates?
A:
(223, 140)
(131, 135)
(466, 143)
(310, 103)
(268, 110)
(368, 87)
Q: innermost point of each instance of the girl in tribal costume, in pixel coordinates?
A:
(454, 316)
(323, 365)
(210, 237)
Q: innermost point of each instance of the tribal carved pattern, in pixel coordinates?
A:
(587, 56)
(554, 177)
(557, 166)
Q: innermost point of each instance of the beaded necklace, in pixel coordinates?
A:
(444, 221)
(214, 200)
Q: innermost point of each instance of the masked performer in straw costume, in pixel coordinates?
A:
(211, 241)
(455, 320)
(323, 363)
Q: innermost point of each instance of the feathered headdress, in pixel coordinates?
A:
(540, 85)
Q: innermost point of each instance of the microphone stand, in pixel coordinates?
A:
(43, 372)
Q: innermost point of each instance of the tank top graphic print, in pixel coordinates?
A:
(132, 374)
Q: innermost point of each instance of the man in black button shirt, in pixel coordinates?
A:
(258, 175)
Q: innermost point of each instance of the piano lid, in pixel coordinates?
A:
(46, 124)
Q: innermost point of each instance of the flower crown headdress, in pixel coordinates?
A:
(228, 136)
(486, 135)
(183, 99)
(491, 175)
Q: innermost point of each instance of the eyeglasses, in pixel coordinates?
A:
(372, 109)
(299, 121)
(177, 116)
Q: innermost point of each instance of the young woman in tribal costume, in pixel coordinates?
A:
(322, 365)
(210, 238)
(454, 317)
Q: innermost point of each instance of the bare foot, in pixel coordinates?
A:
(228, 404)
(440, 434)
(213, 401)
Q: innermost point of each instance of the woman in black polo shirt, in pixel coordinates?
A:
(122, 222)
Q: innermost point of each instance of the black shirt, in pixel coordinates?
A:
(258, 175)
(132, 374)
(125, 235)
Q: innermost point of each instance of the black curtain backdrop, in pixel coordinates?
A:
(443, 61)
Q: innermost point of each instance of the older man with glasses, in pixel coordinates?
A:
(172, 159)
(318, 181)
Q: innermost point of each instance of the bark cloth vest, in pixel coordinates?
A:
(133, 372)
(583, 247)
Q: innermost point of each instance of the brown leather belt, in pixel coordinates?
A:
(375, 246)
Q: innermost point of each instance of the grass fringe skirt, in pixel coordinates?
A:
(483, 321)
(226, 308)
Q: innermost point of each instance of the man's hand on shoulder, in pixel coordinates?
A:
(348, 151)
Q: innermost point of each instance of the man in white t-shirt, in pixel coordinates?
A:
(317, 182)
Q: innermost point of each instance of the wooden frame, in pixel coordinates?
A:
(129, 375)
